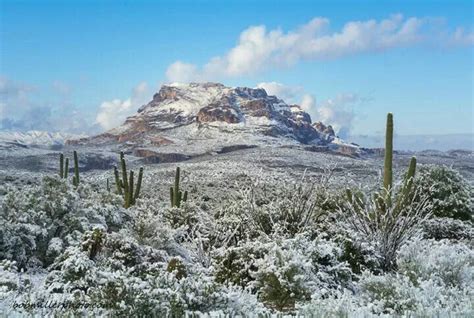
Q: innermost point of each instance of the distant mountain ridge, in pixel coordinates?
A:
(37, 138)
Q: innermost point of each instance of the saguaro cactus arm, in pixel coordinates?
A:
(405, 194)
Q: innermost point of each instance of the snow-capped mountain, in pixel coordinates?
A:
(209, 116)
(36, 138)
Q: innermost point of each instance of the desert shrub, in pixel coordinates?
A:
(150, 227)
(283, 272)
(449, 264)
(432, 276)
(8, 278)
(358, 254)
(385, 228)
(282, 279)
(41, 220)
(286, 210)
(293, 269)
(129, 280)
(391, 293)
(237, 265)
(448, 228)
(448, 192)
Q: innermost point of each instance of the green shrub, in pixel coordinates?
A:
(448, 192)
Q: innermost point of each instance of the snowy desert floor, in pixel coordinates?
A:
(264, 231)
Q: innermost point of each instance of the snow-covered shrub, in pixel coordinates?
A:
(296, 268)
(285, 210)
(189, 217)
(162, 294)
(41, 220)
(262, 246)
(391, 293)
(285, 271)
(358, 253)
(384, 229)
(449, 264)
(149, 226)
(8, 278)
(431, 275)
(238, 265)
(128, 279)
(283, 277)
(449, 193)
(448, 228)
(434, 279)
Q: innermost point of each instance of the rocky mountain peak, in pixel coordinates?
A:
(196, 111)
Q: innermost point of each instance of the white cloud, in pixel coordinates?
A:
(113, 113)
(290, 94)
(259, 49)
(285, 92)
(339, 112)
(308, 103)
(182, 72)
(23, 108)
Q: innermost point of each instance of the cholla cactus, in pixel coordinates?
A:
(93, 242)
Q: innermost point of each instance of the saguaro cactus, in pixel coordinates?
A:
(388, 173)
(75, 178)
(125, 186)
(63, 166)
(176, 195)
(405, 191)
(66, 168)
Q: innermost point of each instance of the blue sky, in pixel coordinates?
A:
(63, 63)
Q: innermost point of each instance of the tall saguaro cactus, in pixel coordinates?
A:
(176, 195)
(125, 186)
(75, 178)
(406, 189)
(63, 166)
(388, 172)
(66, 168)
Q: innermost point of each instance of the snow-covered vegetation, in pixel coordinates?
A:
(244, 243)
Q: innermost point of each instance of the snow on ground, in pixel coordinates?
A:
(261, 233)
